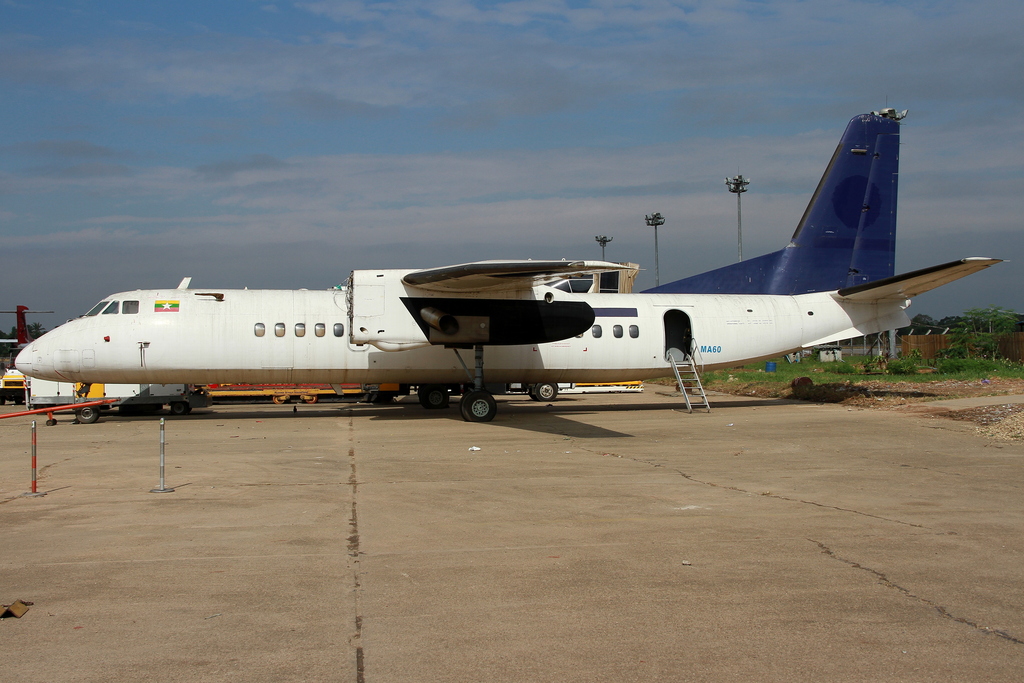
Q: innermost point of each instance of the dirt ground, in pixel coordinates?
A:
(1003, 421)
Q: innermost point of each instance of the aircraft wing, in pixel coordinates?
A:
(916, 282)
(502, 275)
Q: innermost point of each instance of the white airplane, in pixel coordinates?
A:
(833, 280)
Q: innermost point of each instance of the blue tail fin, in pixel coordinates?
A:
(847, 235)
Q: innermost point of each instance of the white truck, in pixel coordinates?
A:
(133, 399)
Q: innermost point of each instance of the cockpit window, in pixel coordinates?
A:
(576, 285)
(97, 308)
(114, 307)
(130, 307)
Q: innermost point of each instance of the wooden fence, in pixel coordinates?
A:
(1011, 346)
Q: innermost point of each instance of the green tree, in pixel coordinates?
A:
(977, 333)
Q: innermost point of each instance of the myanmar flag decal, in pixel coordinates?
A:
(165, 307)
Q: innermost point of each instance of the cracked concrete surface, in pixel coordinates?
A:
(605, 538)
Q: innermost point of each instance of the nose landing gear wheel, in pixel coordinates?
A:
(478, 406)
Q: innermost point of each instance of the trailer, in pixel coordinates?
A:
(282, 393)
(130, 399)
(634, 387)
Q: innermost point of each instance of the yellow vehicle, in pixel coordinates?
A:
(12, 387)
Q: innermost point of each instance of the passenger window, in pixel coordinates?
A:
(617, 331)
(130, 307)
(634, 331)
(300, 329)
(260, 329)
(320, 329)
(339, 330)
(596, 331)
(279, 329)
(111, 309)
(97, 308)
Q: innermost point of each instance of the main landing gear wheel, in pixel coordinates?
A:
(478, 406)
(544, 392)
(433, 396)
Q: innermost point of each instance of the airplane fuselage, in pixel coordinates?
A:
(297, 336)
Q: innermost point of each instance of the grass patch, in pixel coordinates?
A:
(902, 379)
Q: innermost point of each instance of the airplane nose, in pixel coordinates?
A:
(34, 363)
(24, 362)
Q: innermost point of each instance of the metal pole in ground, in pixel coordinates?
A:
(162, 489)
(34, 492)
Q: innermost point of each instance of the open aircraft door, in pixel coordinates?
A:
(678, 334)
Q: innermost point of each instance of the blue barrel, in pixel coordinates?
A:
(769, 366)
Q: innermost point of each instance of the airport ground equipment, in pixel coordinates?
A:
(282, 393)
(88, 410)
(127, 398)
(688, 379)
(631, 387)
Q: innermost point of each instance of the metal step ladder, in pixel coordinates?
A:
(688, 380)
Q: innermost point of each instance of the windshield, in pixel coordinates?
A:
(97, 308)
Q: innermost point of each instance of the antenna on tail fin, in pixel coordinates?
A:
(847, 235)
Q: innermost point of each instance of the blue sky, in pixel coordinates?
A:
(258, 144)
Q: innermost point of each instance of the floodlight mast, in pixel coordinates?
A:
(738, 185)
(602, 240)
(653, 221)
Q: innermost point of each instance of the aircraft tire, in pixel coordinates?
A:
(544, 392)
(478, 406)
(88, 415)
(433, 396)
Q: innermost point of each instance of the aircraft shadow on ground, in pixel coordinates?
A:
(555, 417)
(548, 418)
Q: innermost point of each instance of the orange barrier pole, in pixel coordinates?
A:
(34, 493)
(34, 457)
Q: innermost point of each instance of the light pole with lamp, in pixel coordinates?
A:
(654, 220)
(738, 186)
(602, 240)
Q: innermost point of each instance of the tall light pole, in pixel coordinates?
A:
(602, 240)
(654, 220)
(738, 186)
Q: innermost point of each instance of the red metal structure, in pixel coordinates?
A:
(88, 411)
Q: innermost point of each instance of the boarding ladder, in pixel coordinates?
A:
(688, 380)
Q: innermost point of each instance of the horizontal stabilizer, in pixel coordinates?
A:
(503, 275)
(916, 282)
